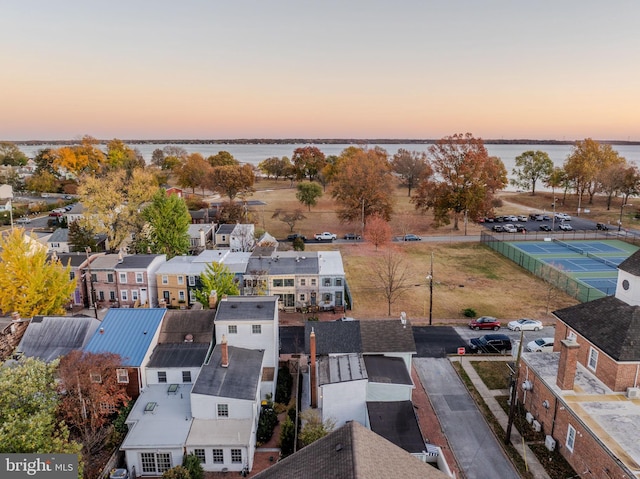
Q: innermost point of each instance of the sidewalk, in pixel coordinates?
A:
(489, 398)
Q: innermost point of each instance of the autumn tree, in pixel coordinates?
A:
(308, 193)
(31, 284)
(556, 179)
(113, 203)
(42, 181)
(307, 162)
(222, 158)
(313, 427)
(465, 180)
(410, 166)
(289, 217)
(363, 185)
(28, 410)
(90, 395)
(274, 166)
(168, 223)
(82, 158)
(377, 231)
(587, 158)
(121, 156)
(392, 276)
(531, 167)
(611, 180)
(230, 212)
(216, 277)
(192, 172)
(173, 156)
(630, 183)
(231, 180)
(10, 154)
(45, 161)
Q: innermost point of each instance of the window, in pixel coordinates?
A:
(218, 456)
(165, 279)
(94, 277)
(134, 295)
(571, 437)
(164, 461)
(108, 408)
(162, 376)
(101, 295)
(326, 297)
(303, 282)
(180, 279)
(256, 328)
(236, 455)
(122, 277)
(338, 298)
(326, 282)
(313, 281)
(186, 376)
(593, 358)
(123, 376)
(124, 295)
(139, 278)
(95, 377)
(303, 297)
(223, 410)
(112, 295)
(338, 281)
(109, 277)
(232, 329)
(199, 453)
(277, 283)
(289, 282)
(180, 295)
(192, 296)
(571, 336)
(192, 280)
(148, 460)
(72, 275)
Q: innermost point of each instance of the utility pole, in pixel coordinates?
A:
(514, 393)
(92, 293)
(430, 278)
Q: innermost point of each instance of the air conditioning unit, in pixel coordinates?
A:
(527, 385)
(529, 417)
(537, 427)
(633, 393)
(550, 443)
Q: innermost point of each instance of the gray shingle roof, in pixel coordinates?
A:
(76, 259)
(386, 336)
(306, 263)
(178, 323)
(631, 264)
(136, 261)
(247, 308)
(388, 370)
(334, 337)
(351, 452)
(396, 422)
(225, 229)
(609, 323)
(240, 380)
(178, 355)
(60, 235)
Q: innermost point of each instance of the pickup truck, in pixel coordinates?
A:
(326, 236)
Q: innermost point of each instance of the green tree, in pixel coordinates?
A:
(192, 464)
(465, 180)
(275, 166)
(363, 185)
(28, 406)
(31, 284)
(313, 428)
(119, 155)
(287, 437)
(410, 166)
(222, 158)
(531, 167)
(216, 277)
(308, 193)
(307, 162)
(11, 155)
(231, 180)
(169, 220)
(81, 238)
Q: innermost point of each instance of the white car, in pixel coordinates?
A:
(326, 236)
(523, 218)
(565, 227)
(509, 228)
(23, 221)
(525, 324)
(540, 345)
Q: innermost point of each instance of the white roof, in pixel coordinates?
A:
(330, 263)
(220, 432)
(196, 265)
(167, 425)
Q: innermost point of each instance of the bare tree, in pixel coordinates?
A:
(289, 217)
(392, 276)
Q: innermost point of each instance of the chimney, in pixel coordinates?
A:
(225, 352)
(202, 239)
(312, 371)
(213, 299)
(120, 257)
(567, 364)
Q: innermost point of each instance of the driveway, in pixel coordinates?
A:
(476, 448)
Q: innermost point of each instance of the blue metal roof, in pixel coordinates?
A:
(127, 332)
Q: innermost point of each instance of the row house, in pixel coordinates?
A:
(76, 262)
(125, 281)
(236, 237)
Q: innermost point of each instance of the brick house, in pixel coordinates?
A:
(585, 395)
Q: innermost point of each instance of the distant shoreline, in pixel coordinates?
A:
(313, 141)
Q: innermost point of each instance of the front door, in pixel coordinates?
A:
(313, 298)
(143, 296)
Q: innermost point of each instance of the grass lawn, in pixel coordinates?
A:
(494, 374)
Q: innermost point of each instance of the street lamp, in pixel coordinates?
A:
(430, 279)
(620, 220)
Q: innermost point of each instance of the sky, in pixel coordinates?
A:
(423, 69)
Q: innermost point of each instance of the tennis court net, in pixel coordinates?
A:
(611, 264)
(569, 246)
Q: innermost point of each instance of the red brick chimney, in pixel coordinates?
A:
(225, 352)
(567, 364)
(312, 371)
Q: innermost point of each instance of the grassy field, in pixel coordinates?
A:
(466, 275)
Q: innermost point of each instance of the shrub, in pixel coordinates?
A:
(469, 313)
(283, 388)
(177, 472)
(266, 424)
(298, 244)
(287, 437)
(192, 464)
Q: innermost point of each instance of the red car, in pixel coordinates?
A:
(484, 322)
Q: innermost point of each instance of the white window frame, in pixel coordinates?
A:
(139, 278)
(165, 279)
(303, 282)
(192, 280)
(199, 453)
(122, 277)
(187, 375)
(571, 437)
(162, 377)
(181, 296)
(592, 362)
(571, 336)
(95, 378)
(123, 375)
(180, 280)
(313, 282)
(256, 329)
(218, 455)
(134, 295)
(222, 410)
(232, 329)
(124, 295)
(235, 459)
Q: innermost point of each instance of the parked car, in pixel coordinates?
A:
(545, 227)
(484, 322)
(565, 227)
(23, 221)
(412, 238)
(55, 213)
(326, 236)
(539, 217)
(521, 228)
(511, 218)
(509, 228)
(602, 226)
(295, 236)
(540, 345)
(490, 343)
(522, 218)
(525, 324)
(352, 236)
(498, 228)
